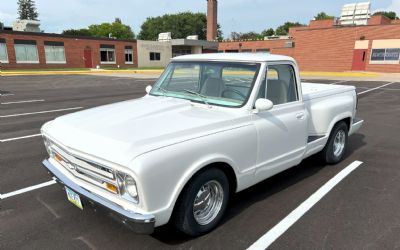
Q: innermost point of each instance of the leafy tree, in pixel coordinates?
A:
(180, 25)
(389, 14)
(268, 32)
(79, 32)
(27, 10)
(283, 30)
(323, 16)
(246, 36)
(115, 29)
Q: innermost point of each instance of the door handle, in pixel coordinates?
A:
(300, 116)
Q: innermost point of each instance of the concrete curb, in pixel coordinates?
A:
(158, 72)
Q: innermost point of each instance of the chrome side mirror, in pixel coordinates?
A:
(148, 89)
(263, 105)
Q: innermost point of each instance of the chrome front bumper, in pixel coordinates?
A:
(139, 223)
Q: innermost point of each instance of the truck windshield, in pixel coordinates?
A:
(211, 83)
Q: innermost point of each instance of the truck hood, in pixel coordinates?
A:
(119, 132)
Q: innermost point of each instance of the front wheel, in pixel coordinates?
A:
(335, 148)
(202, 203)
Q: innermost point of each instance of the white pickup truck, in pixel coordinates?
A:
(211, 126)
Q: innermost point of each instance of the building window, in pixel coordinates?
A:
(128, 55)
(54, 52)
(155, 56)
(3, 51)
(262, 50)
(26, 51)
(385, 56)
(247, 50)
(107, 54)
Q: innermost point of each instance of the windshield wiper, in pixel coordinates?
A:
(202, 97)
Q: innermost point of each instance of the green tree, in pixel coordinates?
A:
(389, 14)
(246, 36)
(180, 25)
(27, 10)
(268, 32)
(115, 29)
(323, 16)
(78, 32)
(283, 30)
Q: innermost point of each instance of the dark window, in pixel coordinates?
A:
(247, 50)
(128, 55)
(155, 56)
(392, 54)
(378, 55)
(363, 59)
(262, 50)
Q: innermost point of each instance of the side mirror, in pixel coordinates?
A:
(263, 104)
(148, 89)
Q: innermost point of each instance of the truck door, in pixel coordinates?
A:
(282, 131)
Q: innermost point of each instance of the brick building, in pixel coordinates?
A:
(325, 46)
(27, 50)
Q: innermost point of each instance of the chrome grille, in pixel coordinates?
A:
(84, 169)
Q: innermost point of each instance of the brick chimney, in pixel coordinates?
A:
(212, 18)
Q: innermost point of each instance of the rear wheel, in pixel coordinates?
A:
(202, 203)
(336, 146)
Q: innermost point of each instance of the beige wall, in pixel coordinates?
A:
(386, 44)
(145, 47)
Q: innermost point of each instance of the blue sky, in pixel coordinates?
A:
(234, 15)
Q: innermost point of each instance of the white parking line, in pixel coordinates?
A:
(6, 95)
(387, 84)
(40, 112)
(28, 189)
(267, 239)
(17, 102)
(19, 138)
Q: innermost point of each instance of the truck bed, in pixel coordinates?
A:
(319, 90)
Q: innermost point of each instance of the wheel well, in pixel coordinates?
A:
(224, 167)
(347, 121)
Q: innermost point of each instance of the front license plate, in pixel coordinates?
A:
(74, 198)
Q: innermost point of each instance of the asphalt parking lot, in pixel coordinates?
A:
(361, 212)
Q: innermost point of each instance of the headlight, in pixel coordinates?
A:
(47, 145)
(127, 187)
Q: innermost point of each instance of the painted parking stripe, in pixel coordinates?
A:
(274, 233)
(28, 189)
(6, 95)
(17, 102)
(379, 87)
(20, 138)
(41, 112)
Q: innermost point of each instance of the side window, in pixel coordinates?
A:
(281, 84)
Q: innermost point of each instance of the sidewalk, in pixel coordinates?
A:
(154, 73)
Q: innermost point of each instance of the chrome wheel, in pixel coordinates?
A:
(339, 143)
(208, 202)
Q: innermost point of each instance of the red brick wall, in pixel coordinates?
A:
(321, 23)
(74, 49)
(253, 45)
(378, 20)
(332, 49)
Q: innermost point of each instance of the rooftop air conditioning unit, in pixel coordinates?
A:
(194, 37)
(164, 37)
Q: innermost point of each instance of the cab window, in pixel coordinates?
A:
(279, 85)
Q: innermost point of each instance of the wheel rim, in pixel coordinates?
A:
(338, 143)
(208, 202)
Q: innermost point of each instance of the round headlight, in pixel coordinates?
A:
(130, 186)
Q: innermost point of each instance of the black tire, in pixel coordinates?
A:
(183, 217)
(328, 153)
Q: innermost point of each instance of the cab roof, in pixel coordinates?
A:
(232, 57)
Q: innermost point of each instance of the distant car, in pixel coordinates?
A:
(211, 126)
